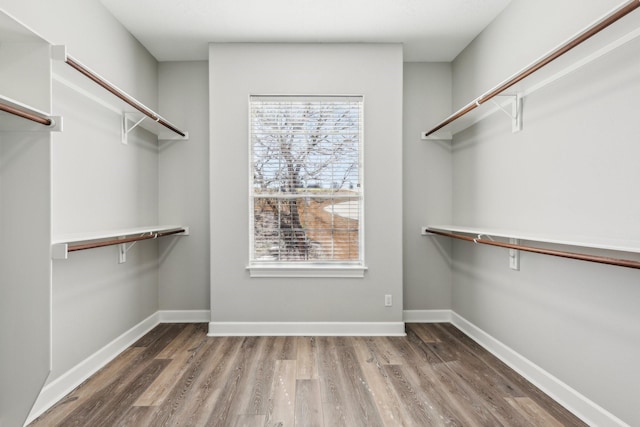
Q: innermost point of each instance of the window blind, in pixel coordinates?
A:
(306, 179)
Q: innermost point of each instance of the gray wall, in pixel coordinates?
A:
(238, 70)
(93, 36)
(98, 183)
(25, 232)
(184, 187)
(571, 171)
(532, 30)
(426, 188)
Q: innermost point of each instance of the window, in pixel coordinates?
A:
(306, 181)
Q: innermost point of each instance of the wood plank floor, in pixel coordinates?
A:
(435, 376)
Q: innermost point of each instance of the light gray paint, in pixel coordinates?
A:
(94, 37)
(100, 184)
(97, 183)
(571, 170)
(548, 23)
(426, 188)
(434, 30)
(25, 271)
(184, 187)
(25, 234)
(238, 70)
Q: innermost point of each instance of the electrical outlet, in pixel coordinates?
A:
(388, 302)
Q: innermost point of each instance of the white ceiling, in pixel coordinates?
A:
(430, 30)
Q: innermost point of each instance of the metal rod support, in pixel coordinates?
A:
(572, 255)
(115, 91)
(25, 114)
(124, 239)
(614, 16)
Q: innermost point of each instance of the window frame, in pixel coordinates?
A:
(308, 269)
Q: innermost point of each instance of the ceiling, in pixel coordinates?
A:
(430, 30)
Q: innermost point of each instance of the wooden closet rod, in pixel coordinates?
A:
(25, 114)
(106, 85)
(572, 255)
(614, 16)
(119, 241)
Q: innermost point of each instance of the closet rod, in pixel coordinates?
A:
(26, 115)
(609, 19)
(119, 241)
(106, 85)
(572, 255)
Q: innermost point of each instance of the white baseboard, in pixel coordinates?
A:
(184, 316)
(218, 329)
(585, 409)
(426, 316)
(64, 384)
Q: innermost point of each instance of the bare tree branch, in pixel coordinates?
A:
(291, 150)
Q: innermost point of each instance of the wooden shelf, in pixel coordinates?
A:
(76, 76)
(62, 245)
(14, 36)
(618, 245)
(12, 123)
(590, 44)
(66, 75)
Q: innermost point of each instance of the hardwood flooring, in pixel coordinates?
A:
(435, 376)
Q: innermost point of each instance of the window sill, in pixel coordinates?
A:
(282, 270)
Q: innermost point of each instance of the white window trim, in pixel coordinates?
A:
(310, 270)
(307, 270)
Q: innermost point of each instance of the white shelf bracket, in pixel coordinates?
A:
(122, 252)
(123, 249)
(126, 119)
(516, 110)
(514, 255)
